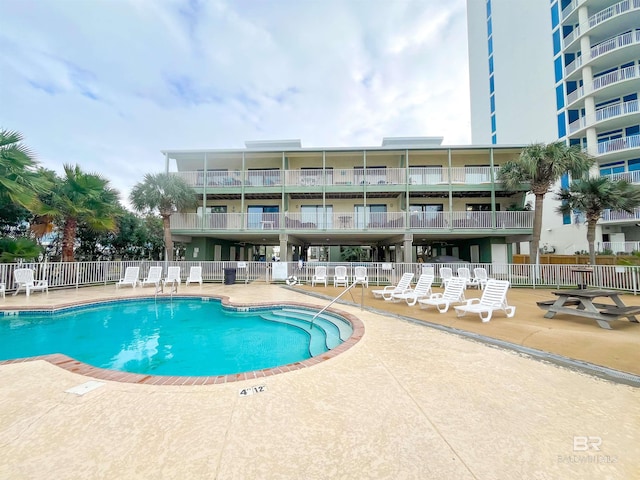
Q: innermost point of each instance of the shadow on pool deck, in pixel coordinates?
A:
(570, 336)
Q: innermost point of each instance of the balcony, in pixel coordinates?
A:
(352, 222)
(304, 179)
(612, 11)
(620, 216)
(619, 144)
(615, 43)
(604, 114)
(631, 177)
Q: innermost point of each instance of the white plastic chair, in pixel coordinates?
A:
(173, 276)
(480, 274)
(403, 285)
(153, 278)
(3, 289)
(195, 276)
(464, 272)
(130, 277)
(494, 297)
(340, 279)
(320, 276)
(360, 276)
(453, 293)
(421, 290)
(446, 274)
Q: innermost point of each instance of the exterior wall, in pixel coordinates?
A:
(522, 71)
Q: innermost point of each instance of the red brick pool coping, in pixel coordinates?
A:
(75, 366)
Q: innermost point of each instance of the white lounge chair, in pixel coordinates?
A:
(446, 273)
(360, 276)
(403, 285)
(3, 289)
(195, 275)
(480, 274)
(464, 272)
(320, 276)
(130, 277)
(173, 276)
(23, 278)
(340, 279)
(494, 297)
(453, 293)
(421, 290)
(153, 278)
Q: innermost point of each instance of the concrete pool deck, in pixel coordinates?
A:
(406, 401)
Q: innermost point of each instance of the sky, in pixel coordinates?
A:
(108, 84)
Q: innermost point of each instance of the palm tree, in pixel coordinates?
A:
(79, 197)
(594, 195)
(166, 194)
(541, 166)
(19, 182)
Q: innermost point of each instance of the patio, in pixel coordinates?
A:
(405, 402)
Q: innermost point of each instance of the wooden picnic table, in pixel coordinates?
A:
(580, 303)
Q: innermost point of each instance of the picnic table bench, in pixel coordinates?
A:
(580, 303)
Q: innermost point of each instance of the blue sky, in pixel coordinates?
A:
(107, 84)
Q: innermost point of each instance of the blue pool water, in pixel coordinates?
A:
(184, 336)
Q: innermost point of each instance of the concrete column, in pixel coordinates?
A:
(284, 248)
(589, 110)
(408, 248)
(592, 141)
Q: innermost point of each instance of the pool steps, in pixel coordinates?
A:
(342, 325)
(317, 336)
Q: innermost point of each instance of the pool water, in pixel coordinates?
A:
(188, 336)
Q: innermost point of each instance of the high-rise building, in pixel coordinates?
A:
(592, 49)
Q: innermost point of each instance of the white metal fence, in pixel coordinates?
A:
(66, 275)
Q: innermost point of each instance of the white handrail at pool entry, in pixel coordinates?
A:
(336, 299)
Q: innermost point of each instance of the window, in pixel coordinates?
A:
(426, 215)
(263, 216)
(371, 216)
(315, 214)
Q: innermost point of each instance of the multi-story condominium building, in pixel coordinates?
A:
(409, 199)
(582, 55)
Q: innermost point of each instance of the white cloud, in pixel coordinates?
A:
(107, 85)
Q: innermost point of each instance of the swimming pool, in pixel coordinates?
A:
(182, 336)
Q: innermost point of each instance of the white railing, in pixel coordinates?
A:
(350, 221)
(614, 43)
(573, 34)
(618, 247)
(577, 63)
(566, 11)
(617, 144)
(631, 177)
(612, 11)
(605, 113)
(614, 77)
(69, 275)
(620, 215)
(575, 95)
(339, 177)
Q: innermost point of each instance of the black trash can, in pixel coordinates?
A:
(229, 276)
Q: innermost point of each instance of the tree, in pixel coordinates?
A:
(541, 166)
(79, 197)
(166, 194)
(594, 195)
(19, 181)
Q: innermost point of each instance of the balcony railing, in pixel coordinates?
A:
(605, 113)
(566, 11)
(616, 76)
(341, 177)
(631, 177)
(620, 215)
(617, 144)
(614, 43)
(609, 12)
(618, 247)
(352, 221)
